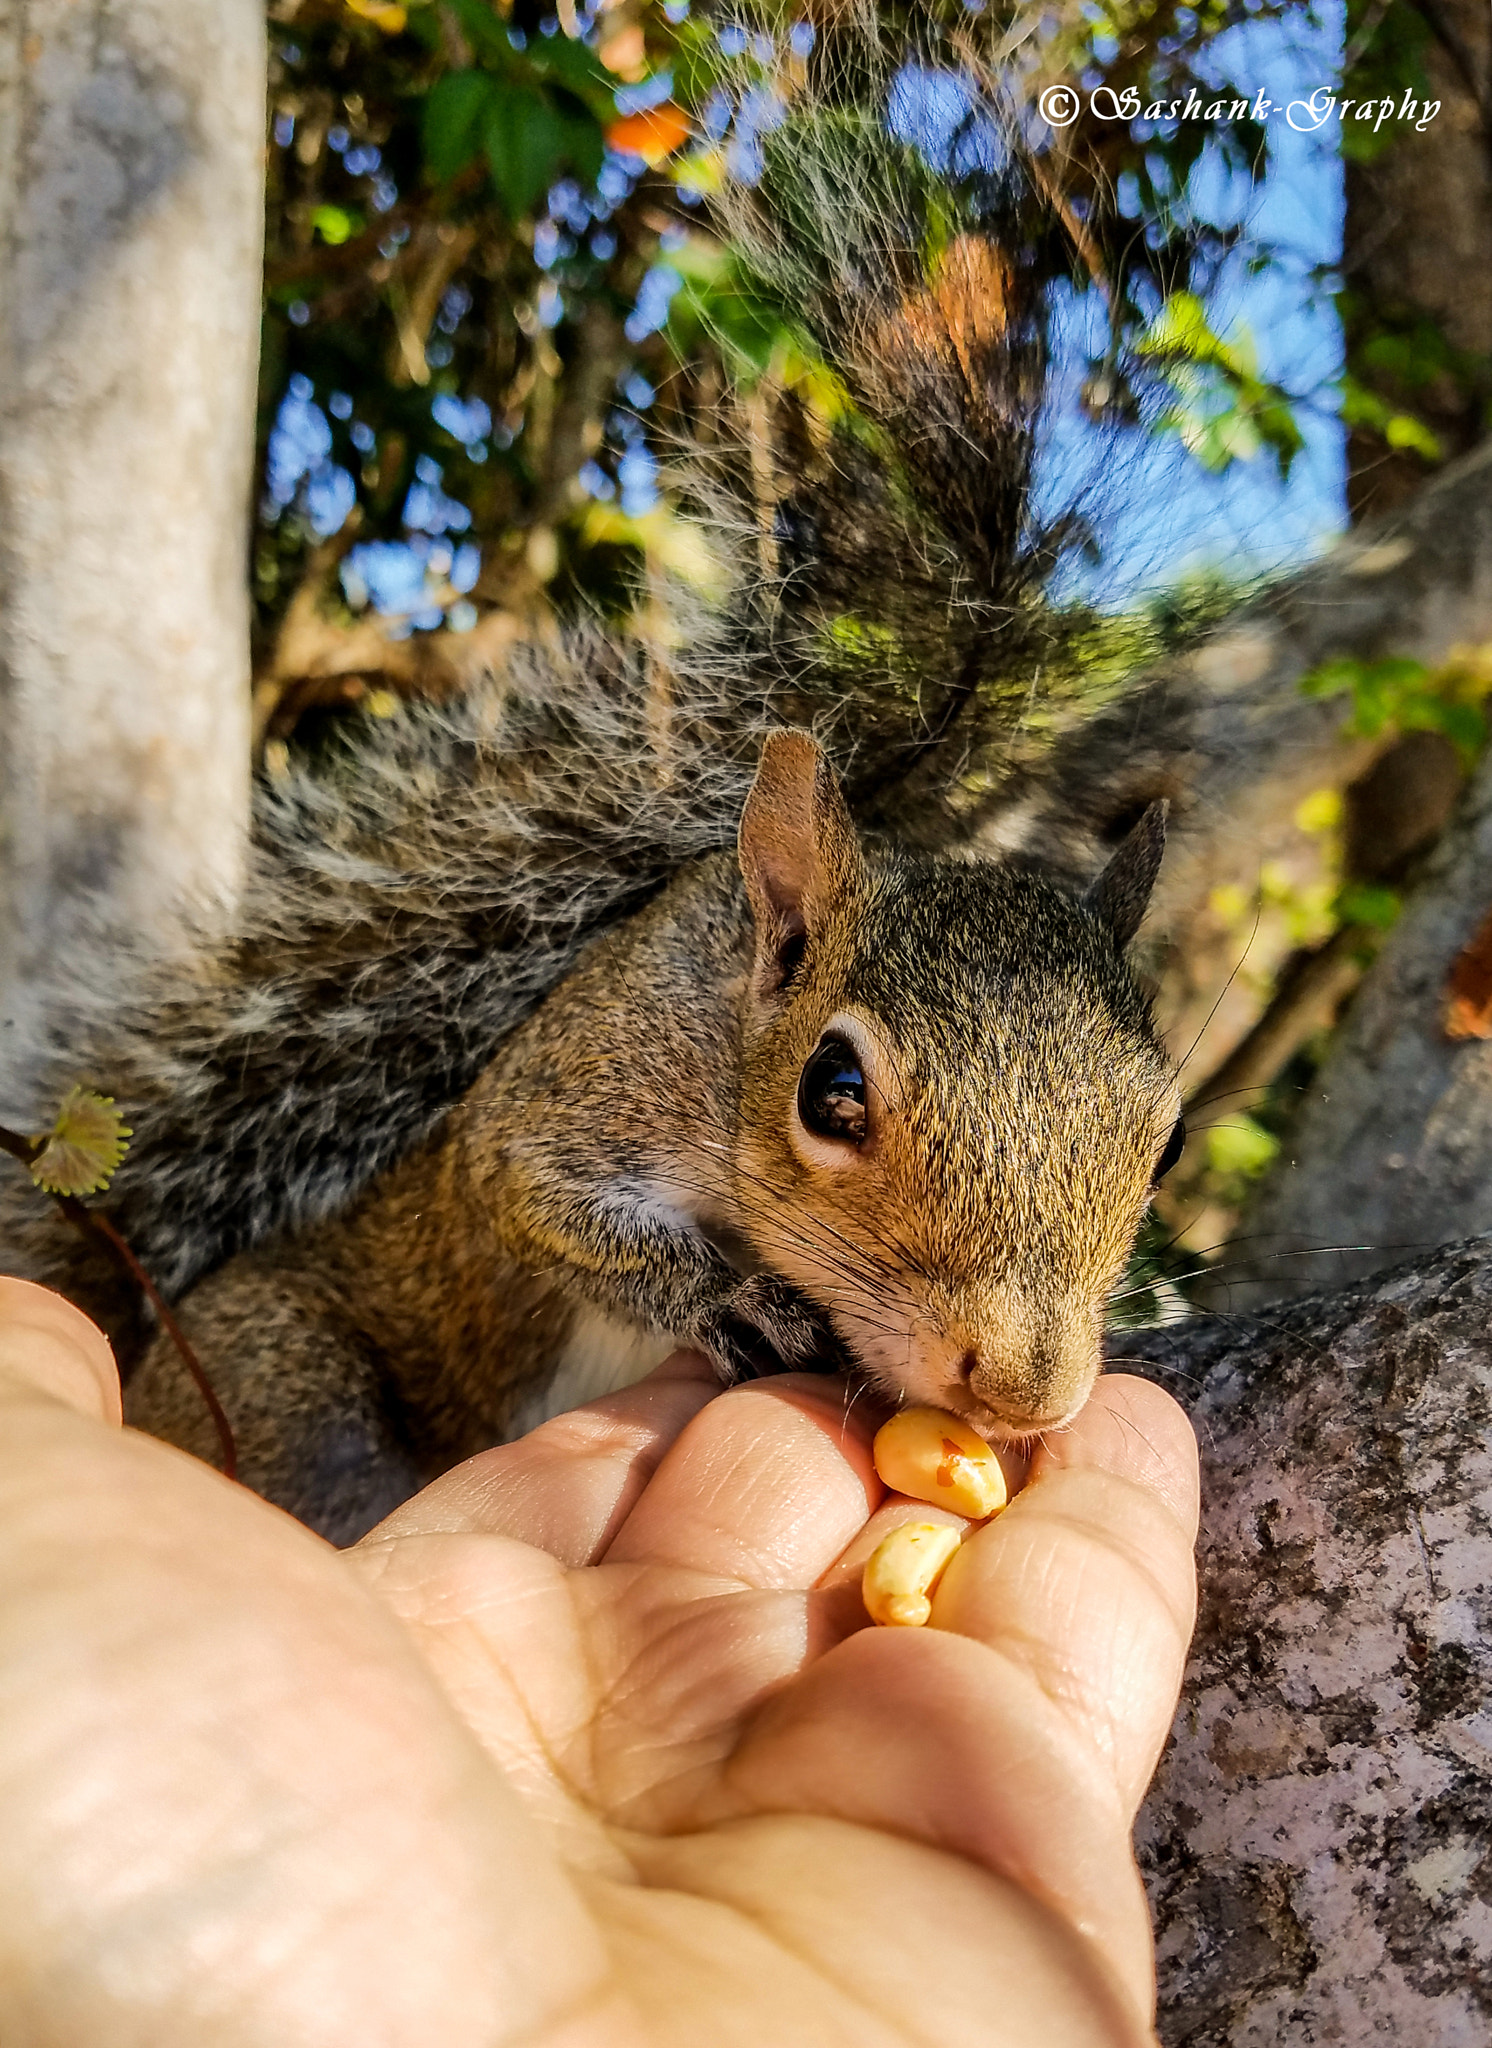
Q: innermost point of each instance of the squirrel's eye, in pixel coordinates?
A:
(831, 1094)
(1174, 1147)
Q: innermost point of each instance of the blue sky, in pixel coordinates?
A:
(1160, 513)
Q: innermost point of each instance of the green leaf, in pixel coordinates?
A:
(1239, 1145)
(576, 65)
(1226, 412)
(1332, 678)
(1402, 692)
(452, 130)
(745, 325)
(697, 63)
(1362, 407)
(1369, 904)
(585, 146)
(1390, 353)
(334, 224)
(525, 142)
(1403, 430)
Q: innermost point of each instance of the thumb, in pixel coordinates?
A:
(48, 1347)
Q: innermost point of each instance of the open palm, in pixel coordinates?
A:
(587, 1745)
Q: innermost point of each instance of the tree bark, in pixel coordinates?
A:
(131, 211)
(1391, 1148)
(1318, 1840)
(1417, 249)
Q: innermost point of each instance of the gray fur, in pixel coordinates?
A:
(412, 900)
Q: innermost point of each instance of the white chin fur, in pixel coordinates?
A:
(602, 1355)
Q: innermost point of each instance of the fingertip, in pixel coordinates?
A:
(1134, 1430)
(766, 1485)
(49, 1347)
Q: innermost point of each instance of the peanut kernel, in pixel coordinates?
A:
(903, 1571)
(936, 1458)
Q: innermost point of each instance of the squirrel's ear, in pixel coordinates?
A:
(1119, 896)
(798, 849)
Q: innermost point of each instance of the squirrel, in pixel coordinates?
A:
(617, 1004)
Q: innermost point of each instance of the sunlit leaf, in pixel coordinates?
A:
(1361, 407)
(1226, 412)
(1321, 811)
(671, 543)
(384, 14)
(1238, 1145)
(702, 171)
(1403, 430)
(334, 224)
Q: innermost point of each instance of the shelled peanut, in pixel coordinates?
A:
(934, 1457)
(903, 1571)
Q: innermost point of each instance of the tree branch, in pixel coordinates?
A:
(1315, 1838)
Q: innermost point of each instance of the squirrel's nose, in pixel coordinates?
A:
(1031, 1385)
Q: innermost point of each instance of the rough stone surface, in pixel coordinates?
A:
(1318, 1841)
(131, 209)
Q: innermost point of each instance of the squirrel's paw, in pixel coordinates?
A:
(766, 1326)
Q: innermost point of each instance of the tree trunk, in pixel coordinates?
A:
(1417, 246)
(1318, 1840)
(1391, 1148)
(131, 209)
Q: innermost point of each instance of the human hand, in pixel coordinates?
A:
(586, 1747)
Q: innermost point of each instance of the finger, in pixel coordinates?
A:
(922, 1734)
(1018, 1729)
(1088, 1579)
(49, 1347)
(567, 1486)
(765, 1487)
(231, 1792)
(1133, 1429)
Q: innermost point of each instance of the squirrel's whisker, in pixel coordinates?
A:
(1181, 1064)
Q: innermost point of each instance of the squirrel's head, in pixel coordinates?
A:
(955, 1105)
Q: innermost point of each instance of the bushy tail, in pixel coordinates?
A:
(415, 897)
(903, 563)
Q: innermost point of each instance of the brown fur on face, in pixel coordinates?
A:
(1017, 1100)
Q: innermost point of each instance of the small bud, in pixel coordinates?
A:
(903, 1571)
(936, 1458)
(79, 1154)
